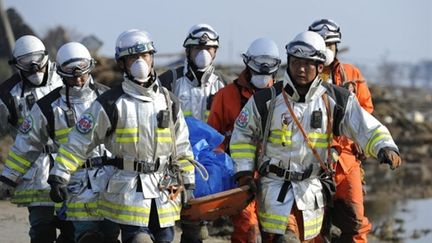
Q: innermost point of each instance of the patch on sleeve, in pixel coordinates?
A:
(85, 123)
(243, 119)
(27, 125)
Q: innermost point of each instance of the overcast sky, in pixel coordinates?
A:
(399, 30)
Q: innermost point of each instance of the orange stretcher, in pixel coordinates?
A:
(213, 206)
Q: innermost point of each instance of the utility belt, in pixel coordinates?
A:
(145, 167)
(95, 162)
(287, 175)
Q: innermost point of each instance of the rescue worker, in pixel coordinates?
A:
(36, 77)
(349, 194)
(262, 63)
(296, 119)
(195, 83)
(142, 125)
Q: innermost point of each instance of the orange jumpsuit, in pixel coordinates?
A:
(226, 106)
(348, 211)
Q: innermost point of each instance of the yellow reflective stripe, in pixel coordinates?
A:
(376, 137)
(62, 131)
(124, 207)
(70, 156)
(242, 146)
(66, 163)
(187, 113)
(314, 225)
(124, 217)
(268, 225)
(127, 140)
(19, 159)
(126, 130)
(13, 166)
(314, 222)
(163, 130)
(280, 132)
(164, 140)
(63, 140)
(319, 144)
(317, 135)
(186, 166)
(279, 141)
(173, 209)
(273, 216)
(82, 205)
(239, 155)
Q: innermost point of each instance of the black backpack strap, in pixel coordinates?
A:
(108, 102)
(340, 95)
(45, 106)
(167, 78)
(8, 99)
(175, 106)
(261, 98)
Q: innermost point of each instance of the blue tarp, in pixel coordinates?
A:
(204, 140)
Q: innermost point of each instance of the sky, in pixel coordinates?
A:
(395, 30)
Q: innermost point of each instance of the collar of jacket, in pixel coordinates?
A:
(85, 94)
(190, 75)
(315, 90)
(139, 92)
(243, 81)
(335, 70)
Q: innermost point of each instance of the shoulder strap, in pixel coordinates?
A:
(45, 106)
(8, 99)
(168, 77)
(261, 99)
(108, 102)
(340, 95)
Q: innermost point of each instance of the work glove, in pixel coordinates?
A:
(6, 190)
(58, 192)
(389, 156)
(247, 180)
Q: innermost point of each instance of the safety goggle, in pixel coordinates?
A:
(136, 49)
(202, 36)
(324, 24)
(262, 64)
(31, 62)
(303, 49)
(76, 67)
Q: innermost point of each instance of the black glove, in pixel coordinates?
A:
(389, 156)
(58, 192)
(187, 195)
(247, 180)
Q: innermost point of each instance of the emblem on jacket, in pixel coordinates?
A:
(85, 124)
(243, 118)
(286, 118)
(27, 125)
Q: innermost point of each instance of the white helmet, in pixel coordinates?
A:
(201, 34)
(262, 56)
(74, 60)
(328, 29)
(309, 45)
(132, 42)
(29, 54)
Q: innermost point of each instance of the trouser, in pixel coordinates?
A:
(158, 234)
(191, 231)
(348, 212)
(108, 231)
(42, 225)
(296, 226)
(245, 225)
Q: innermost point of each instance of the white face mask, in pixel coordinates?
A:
(261, 81)
(140, 70)
(329, 57)
(203, 59)
(36, 78)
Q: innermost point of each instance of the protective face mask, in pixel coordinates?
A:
(261, 81)
(36, 78)
(140, 70)
(329, 57)
(203, 59)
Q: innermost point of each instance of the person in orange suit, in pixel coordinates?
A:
(348, 208)
(262, 62)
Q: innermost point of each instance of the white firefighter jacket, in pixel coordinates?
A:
(16, 101)
(195, 98)
(125, 119)
(287, 149)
